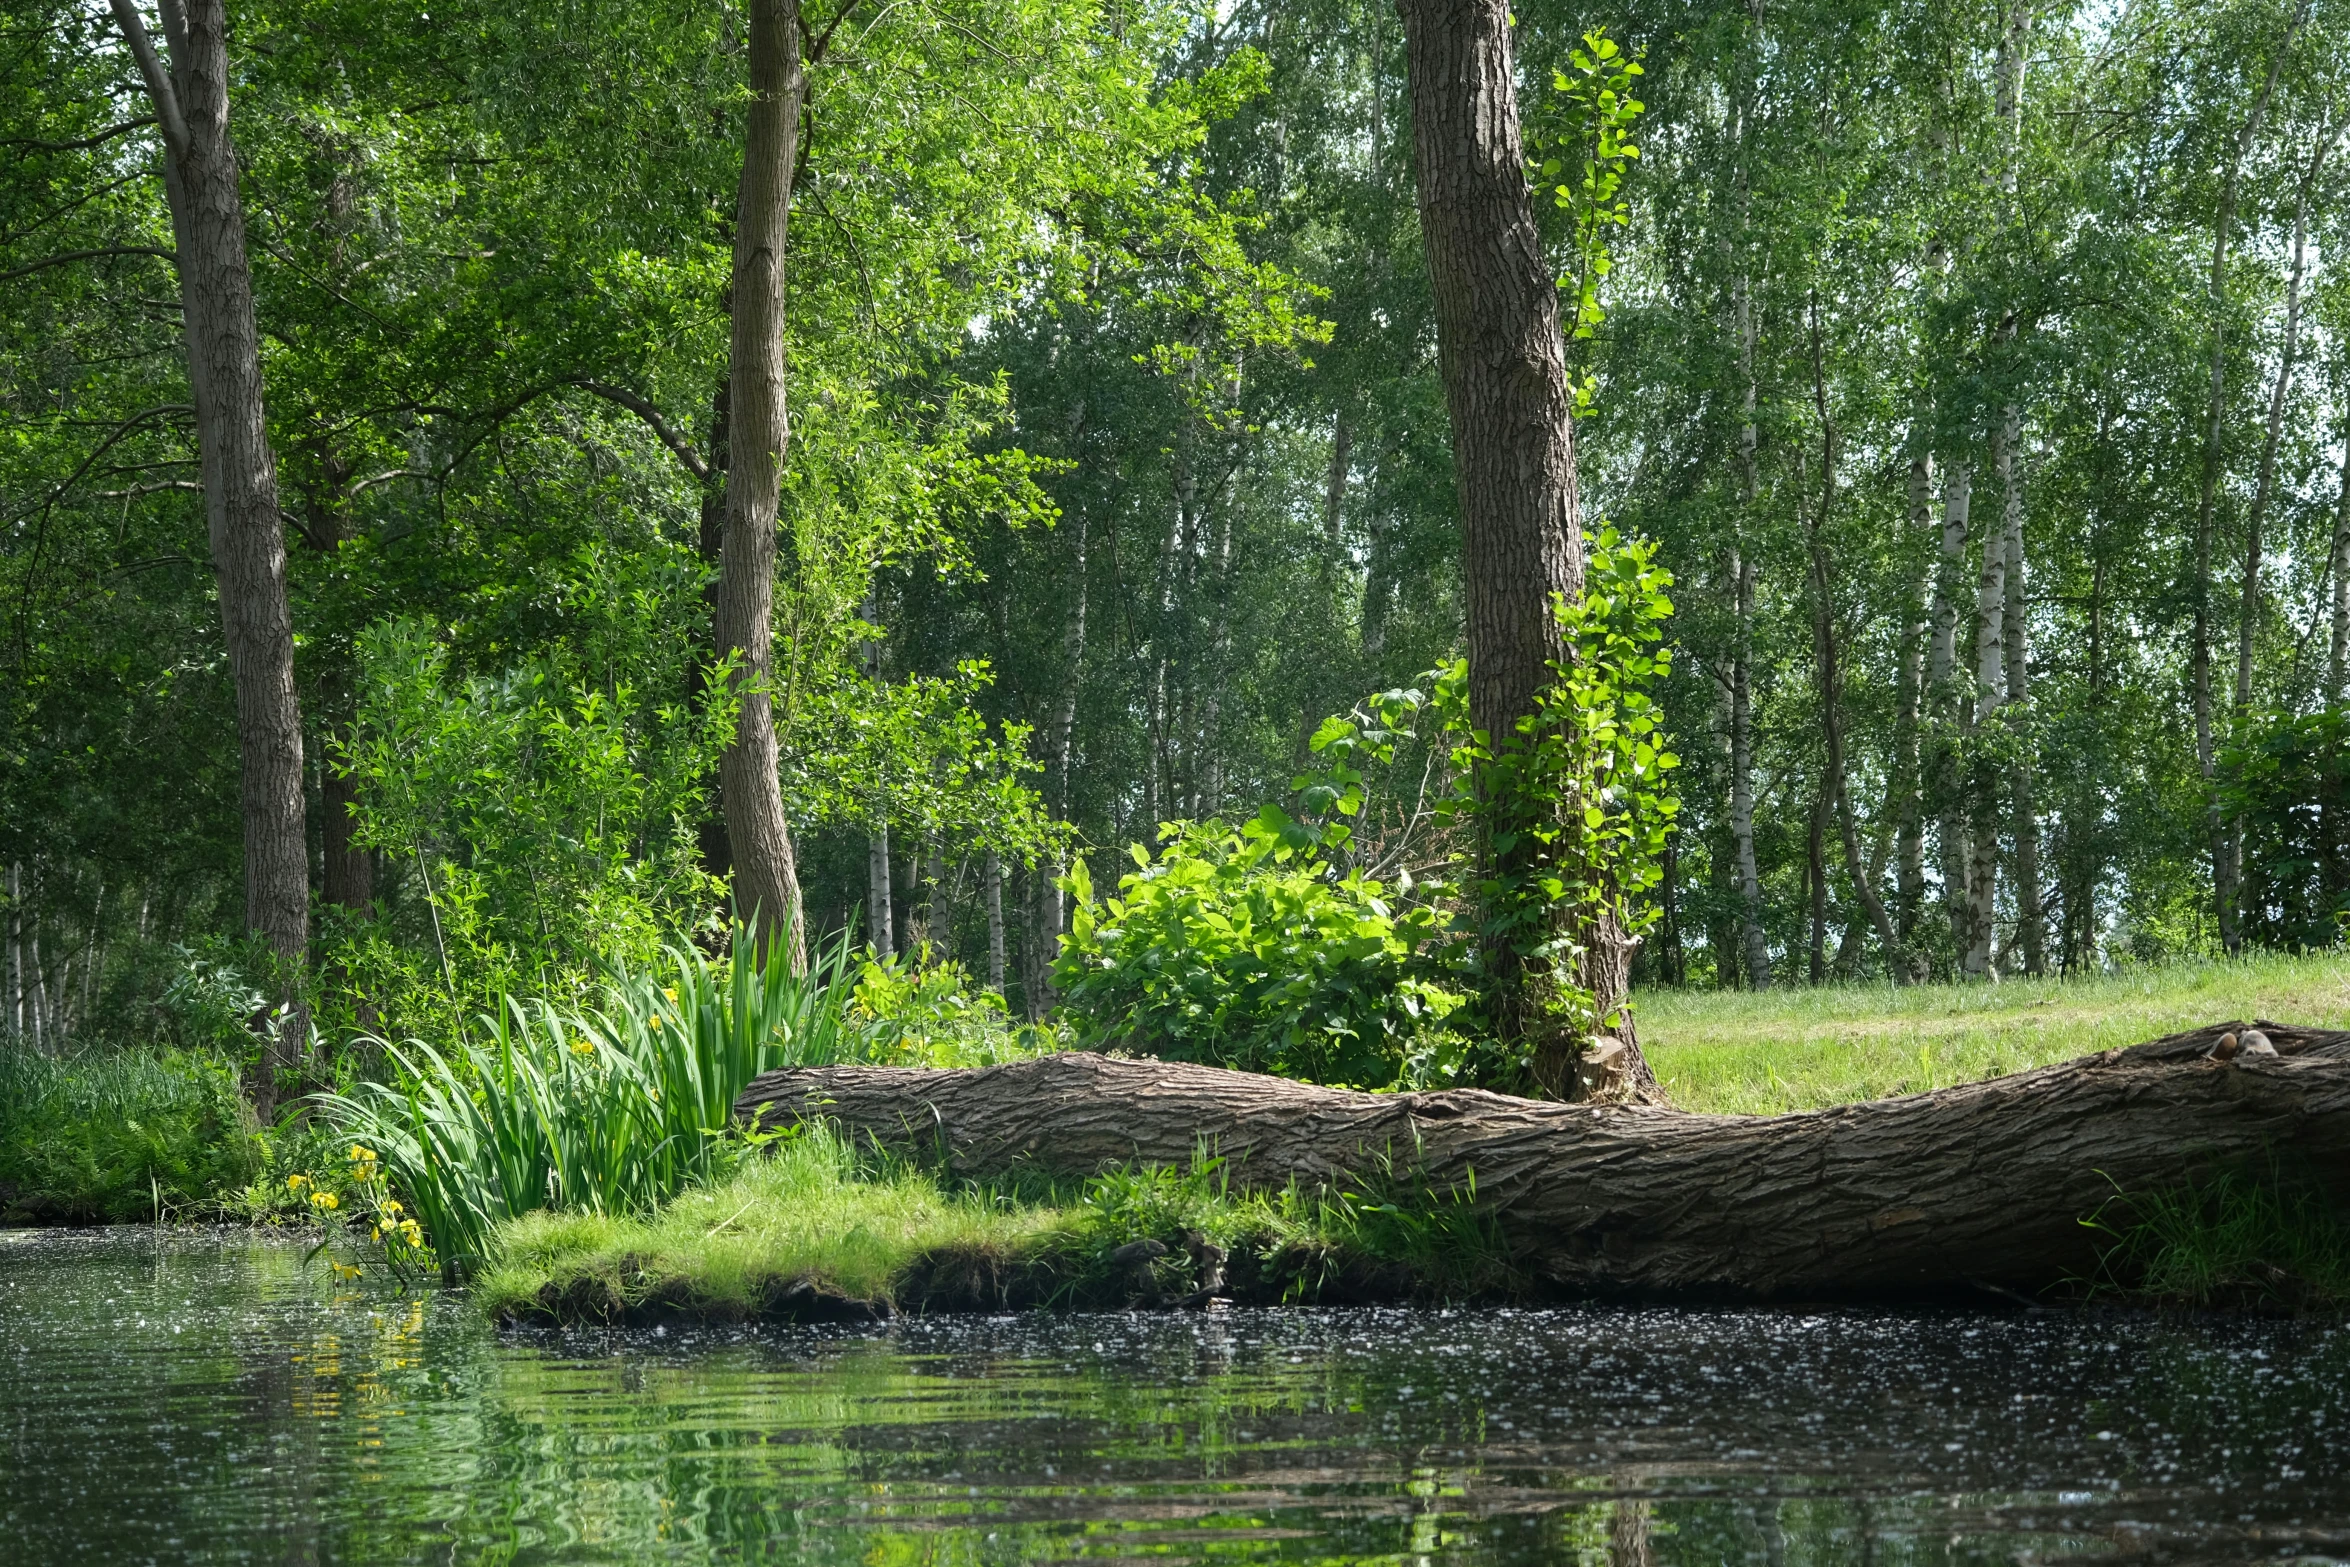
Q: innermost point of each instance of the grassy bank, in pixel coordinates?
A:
(1738, 1052)
(812, 1231)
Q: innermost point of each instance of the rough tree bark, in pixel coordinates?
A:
(1979, 1186)
(758, 837)
(1503, 360)
(190, 96)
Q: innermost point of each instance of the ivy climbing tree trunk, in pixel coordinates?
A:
(758, 836)
(1503, 362)
(189, 91)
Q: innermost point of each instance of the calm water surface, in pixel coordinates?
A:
(202, 1397)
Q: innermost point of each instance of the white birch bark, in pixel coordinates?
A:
(2023, 811)
(2338, 657)
(880, 923)
(991, 890)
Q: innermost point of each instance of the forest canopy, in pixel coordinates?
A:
(1050, 471)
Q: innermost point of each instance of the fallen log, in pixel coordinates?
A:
(1983, 1186)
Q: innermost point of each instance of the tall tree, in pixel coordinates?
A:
(1505, 384)
(759, 838)
(190, 94)
(2223, 231)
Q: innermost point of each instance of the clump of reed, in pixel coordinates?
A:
(2261, 1238)
(609, 1110)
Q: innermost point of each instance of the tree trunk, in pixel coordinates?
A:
(1949, 702)
(190, 97)
(1986, 1184)
(991, 888)
(2248, 608)
(2338, 654)
(1505, 385)
(2015, 655)
(1905, 791)
(347, 872)
(1742, 584)
(758, 837)
(16, 952)
(1830, 673)
(1815, 882)
(2222, 232)
(1990, 693)
(939, 921)
(717, 853)
(1750, 927)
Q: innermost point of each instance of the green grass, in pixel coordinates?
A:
(806, 1212)
(1797, 1048)
(811, 1212)
(2259, 1238)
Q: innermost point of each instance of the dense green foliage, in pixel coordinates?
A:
(1232, 947)
(1973, 373)
(120, 1138)
(607, 1111)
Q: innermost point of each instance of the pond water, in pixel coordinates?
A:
(206, 1397)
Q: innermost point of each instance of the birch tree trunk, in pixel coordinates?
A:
(1052, 910)
(1831, 677)
(190, 96)
(2248, 606)
(2338, 653)
(1750, 928)
(1990, 691)
(880, 922)
(16, 951)
(1742, 586)
(1505, 381)
(1905, 791)
(1949, 702)
(991, 891)
(2222, 233)
(2023, 811)
(766, 873)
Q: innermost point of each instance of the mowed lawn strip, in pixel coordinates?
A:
(1801, 1048)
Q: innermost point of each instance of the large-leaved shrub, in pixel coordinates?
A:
(1242, 947)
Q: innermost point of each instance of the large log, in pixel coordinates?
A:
(1977, 1187)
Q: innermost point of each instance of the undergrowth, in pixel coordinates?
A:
(2264, 1238)
(120, 1136)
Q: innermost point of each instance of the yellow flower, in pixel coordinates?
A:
(391, 1207)
(656, 1020)
(325, 1200)
(583, 1047)
(361, 1155)
(295, 1183)
(671, 994)
(375, 1232)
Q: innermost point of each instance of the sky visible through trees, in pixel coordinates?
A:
(1979, 371)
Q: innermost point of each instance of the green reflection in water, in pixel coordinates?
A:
(202, 1397)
